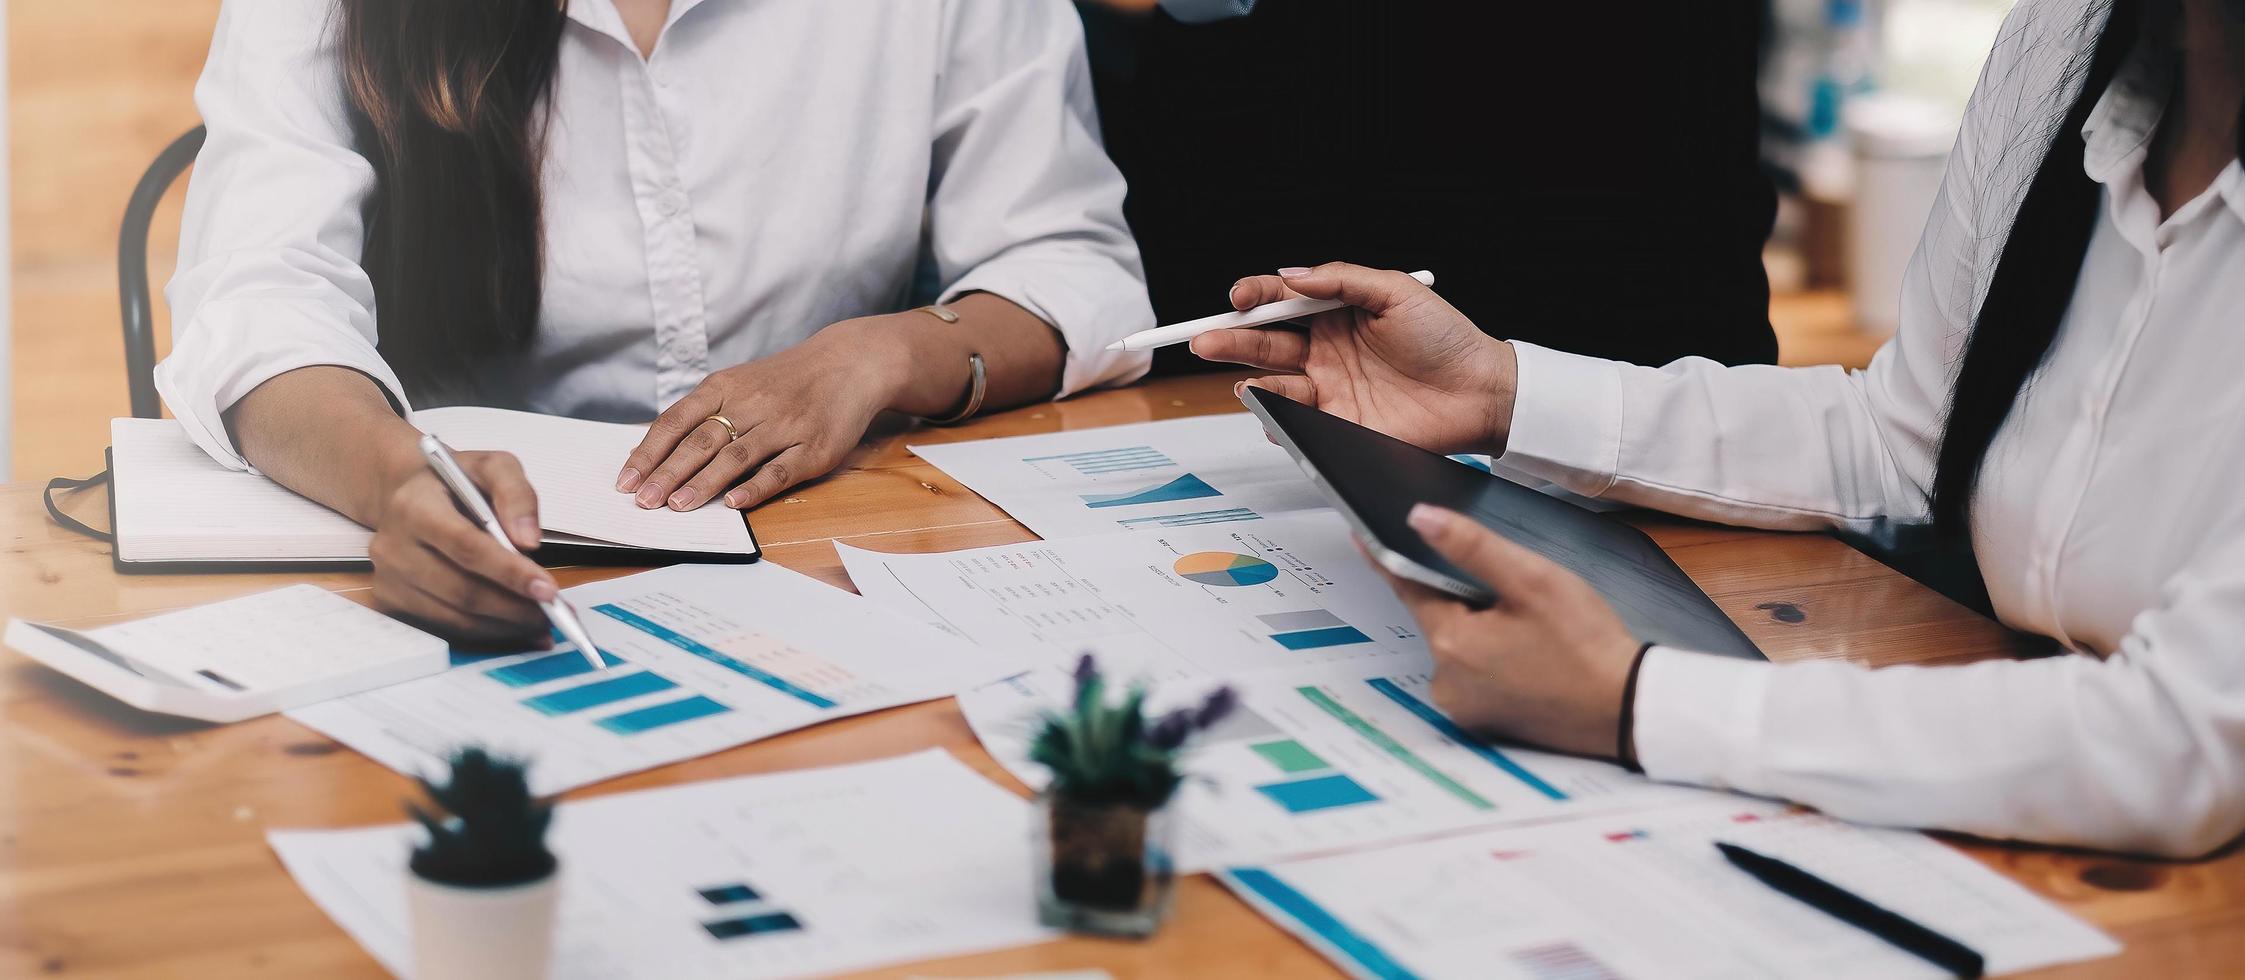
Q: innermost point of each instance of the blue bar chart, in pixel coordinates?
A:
(1224, 516)
(1099, 462)
(649, 719)
(1311, 629)
(598, 693)
(551, 667)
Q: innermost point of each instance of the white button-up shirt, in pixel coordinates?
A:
(775, 167)
(2110, 514)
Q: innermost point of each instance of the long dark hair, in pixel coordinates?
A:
(2032, 286)
(444, 96)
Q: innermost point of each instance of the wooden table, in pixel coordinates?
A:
(134, 846)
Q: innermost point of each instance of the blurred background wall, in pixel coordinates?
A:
(95, 89)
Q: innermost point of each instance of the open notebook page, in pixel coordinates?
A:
(573, 464)
(174, 503)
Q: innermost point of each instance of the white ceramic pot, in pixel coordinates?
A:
(462, 933)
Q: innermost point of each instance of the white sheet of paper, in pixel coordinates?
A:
(1179, 602)
(822, 870)
(1647, 895)
(713, 656)
(1211, 469)
(572, 462)
(1345, 755)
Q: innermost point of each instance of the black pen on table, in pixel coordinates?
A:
(1853, 909)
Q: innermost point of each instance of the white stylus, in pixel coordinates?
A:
(464, 492)
(1268, 313)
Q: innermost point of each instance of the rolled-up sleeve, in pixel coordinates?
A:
(2142, 750)
(1023, 202)
(269, 277)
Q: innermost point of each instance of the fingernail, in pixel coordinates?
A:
(650, 496)
(735, 499)
(1427, 519)
(542, 590)
(628, 480)
(683, 499)
(1293, 272)
(526, 529)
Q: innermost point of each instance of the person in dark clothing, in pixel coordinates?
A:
(1579, 176)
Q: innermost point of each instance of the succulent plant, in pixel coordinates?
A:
(485, 830)
(1107, 751)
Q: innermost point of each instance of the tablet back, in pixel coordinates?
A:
(1374, 480)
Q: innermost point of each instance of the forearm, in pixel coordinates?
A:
(327, 433)
(2066, 749)
(928, 359)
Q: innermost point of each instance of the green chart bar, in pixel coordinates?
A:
(1388, 744)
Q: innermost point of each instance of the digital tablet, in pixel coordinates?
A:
(1374, 480)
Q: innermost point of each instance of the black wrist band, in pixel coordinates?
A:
(1625, 740)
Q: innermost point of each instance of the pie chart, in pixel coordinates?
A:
(1223, 568)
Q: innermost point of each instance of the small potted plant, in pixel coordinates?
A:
(482, 892)
(1104, 827)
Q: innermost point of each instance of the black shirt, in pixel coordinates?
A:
(1584, 176)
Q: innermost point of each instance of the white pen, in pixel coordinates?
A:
(464, 493)
(1285, 309)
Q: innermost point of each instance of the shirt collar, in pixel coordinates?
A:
(2232, 186)
(2120, 125)
(601, 17)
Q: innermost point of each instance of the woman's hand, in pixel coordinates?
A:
(1398, 359)
(798, 413)
(436, 567)
(1546, 664)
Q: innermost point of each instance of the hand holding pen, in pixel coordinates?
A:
(470, 499)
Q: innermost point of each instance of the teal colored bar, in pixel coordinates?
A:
(1328, 928)
(598, 693)
(1317, 793)
(649, 719)
(551, 667)
(1334, 636)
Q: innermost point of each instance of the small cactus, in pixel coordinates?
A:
(486, 829)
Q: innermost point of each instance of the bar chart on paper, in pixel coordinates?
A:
(757, 876)
(1176, 473)
(1338, 756)
(701, 658)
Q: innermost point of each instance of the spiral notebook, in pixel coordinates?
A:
(174, 508)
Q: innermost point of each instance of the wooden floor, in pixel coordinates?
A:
(96, 88)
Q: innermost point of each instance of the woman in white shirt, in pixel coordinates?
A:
(2064, 393)
(706, 212)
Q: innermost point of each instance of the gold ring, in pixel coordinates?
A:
(731, 434)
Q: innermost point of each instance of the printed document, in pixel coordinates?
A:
(792, 874)
(704, 657)
(1647, 895)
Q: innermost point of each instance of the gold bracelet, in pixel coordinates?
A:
(977, 386)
